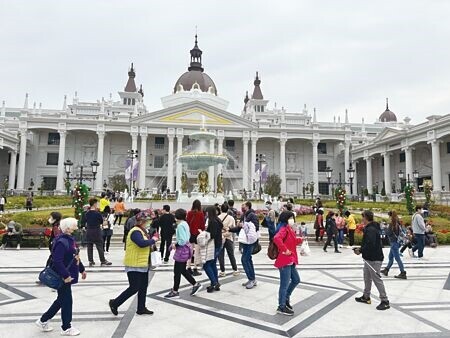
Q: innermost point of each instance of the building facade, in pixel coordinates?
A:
(35, 142)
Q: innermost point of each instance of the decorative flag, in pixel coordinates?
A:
(128, 169)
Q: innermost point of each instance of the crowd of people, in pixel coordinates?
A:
(196, 239)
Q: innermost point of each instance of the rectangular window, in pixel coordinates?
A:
(158, 161)
(448, 147)
(49, 182)
(324, 188)
(322, 166)
(159, 142)
(230, 164)
(322, 148)
(53, 139)
(52, 158)
(402, 157)
(229, 145)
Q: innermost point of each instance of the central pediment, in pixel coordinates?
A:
(196, 116)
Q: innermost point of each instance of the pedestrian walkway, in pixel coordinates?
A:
(324, 302)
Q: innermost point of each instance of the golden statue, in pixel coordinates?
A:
(203, 182)
(220, 183)
(184, 182)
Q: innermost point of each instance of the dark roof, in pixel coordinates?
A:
(188, 79)
(131, 86)
(387, 115)
(257, 94)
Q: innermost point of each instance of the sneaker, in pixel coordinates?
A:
(362, 299)
(196, 288)
(18, 247)
(106, 252)
(337, 251)
(289, 306)
(236, 273)
(71, 331)
(222, 274)
(383, 306)
(385, 272)
(106, 263)
(285, 311)
(324, 250)
(251, 284)
(43, 326)
(217, 287)
(145, 312)
(196, 273)
(91, 264)
(166, 261)
(402, 275)
(210, 289)
(245, 284)
(113, 308)
(173, 294)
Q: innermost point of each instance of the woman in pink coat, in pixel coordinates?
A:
(286, 240)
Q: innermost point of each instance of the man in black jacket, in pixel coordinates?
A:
(372, 254)
(167, 229)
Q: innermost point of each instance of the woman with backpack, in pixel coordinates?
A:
(332, 231)
(183, 253)
(286, 241)
(395, 235)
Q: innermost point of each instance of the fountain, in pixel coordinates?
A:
(200, 158)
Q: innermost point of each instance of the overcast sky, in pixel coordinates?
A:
(330, 54)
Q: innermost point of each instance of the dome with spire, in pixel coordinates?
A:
(195, 78)
(387, 115)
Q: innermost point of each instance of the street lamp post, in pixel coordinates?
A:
(68, 164)
(132, 155)
(351, 176)
(328, 172)
(416, 178)
(260, 158)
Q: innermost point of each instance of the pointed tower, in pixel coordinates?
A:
(257, 104)
(387, 115)
(130, 96)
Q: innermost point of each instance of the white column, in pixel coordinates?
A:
(219, 152)
(369, 175)
(12, 170)
(170, 164)
(245, 184)
(61, 159)
(346, 162)
(283, 165)
(134, 141)
(142, 161)
(408, 164)
(179, 168)
(355, 178)
(387, 173)
(22, 159)
(211, 179)
(436, 163)
(315, 160)
(99, 176)
(253, 162)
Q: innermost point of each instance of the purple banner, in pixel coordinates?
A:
(129, 171)
(261, 173)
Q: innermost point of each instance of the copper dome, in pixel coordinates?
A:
(192, 77)
(387, 115)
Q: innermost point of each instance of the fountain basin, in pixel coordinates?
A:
(202, 135)
(196, 161)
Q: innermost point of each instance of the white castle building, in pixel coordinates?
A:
(35, 141)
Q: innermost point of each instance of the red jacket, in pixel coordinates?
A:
(196, 221)
(286, 239)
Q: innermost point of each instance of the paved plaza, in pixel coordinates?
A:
(324, 301)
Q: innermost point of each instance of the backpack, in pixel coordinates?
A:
(272, 250)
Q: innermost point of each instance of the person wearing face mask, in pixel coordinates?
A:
(286, 240)
(419, 228)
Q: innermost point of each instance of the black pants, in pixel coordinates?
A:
(318, 235)
(351, 237)
(106, 242)
(90, 251)
(9, 238)
(165, 243)
(229, 246)
(180, 269)
(408, 245)
(2, 207)
(329, 238)
(64, 302)
(138, 282)
(118, 217)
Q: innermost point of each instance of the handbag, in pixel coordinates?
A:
(256, 248)
(183, 253)
(305, 250)
(51, 278)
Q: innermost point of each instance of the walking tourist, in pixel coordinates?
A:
(332, 231)
(340, 225)
(67, 263)
(286, 240)
(351, 226)
(29, 202)
(227, 241)
(214, 228)
(270, 220)
(196, 220)
(119, 210)
(93, 221)
(129, 224)
(104, 201)
(136, 265)
(167, 230)
(54, 221)
(318, 225)
(395, 236)
(419, 228)
(107, 227)
(372, 254)
(183, 253)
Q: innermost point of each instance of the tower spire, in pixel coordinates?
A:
(196, 56)
(387, 103)
(257, 94)
(131, 85)
(25, 105)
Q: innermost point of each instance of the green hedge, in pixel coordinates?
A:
(18, 202)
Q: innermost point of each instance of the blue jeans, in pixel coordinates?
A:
(289, 279)
(340, 238)
(394, 253)
(63, 302)
(247, 262)
(420, 239)
(210, 268)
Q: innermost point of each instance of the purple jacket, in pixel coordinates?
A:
(63, 251)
